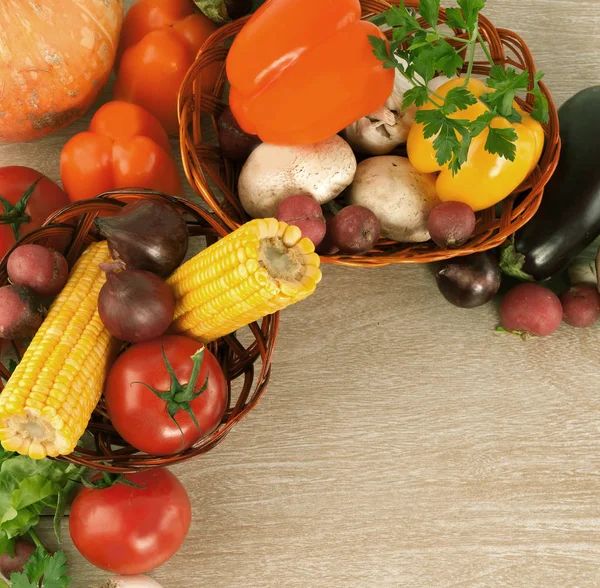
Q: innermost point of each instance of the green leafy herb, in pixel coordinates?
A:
(458, 98)
(27, 486)
(471, 10)
(380, 49)
(455, 18)
(42, 570)
(540, 102)
(502, 142)
(429, 10)
(421, 53)
(506, 84)
(417, 95)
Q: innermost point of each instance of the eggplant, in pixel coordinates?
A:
(568, 219)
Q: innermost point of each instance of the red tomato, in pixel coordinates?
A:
(43, 201)
(129, 530)
(141, 417)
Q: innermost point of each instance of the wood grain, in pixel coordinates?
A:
(402, 442)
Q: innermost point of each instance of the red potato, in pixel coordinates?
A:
(44, 271)
(326, 246)
(450, 224)
(355, 229)
(20, 313)
(581, 305)
(531, 309)
(304, 212)
(10, 565)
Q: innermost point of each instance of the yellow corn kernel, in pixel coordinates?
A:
(48, 401)
(260, 268)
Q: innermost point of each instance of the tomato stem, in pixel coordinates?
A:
(179, 397)
(14, 214)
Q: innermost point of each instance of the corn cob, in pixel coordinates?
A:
(48, 401)
(260, 268)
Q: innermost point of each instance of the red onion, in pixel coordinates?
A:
(135, 305)
(146, 235)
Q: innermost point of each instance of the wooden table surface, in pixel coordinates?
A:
(401, 441)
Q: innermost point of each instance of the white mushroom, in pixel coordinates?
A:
(399, 196)
(272, 173)
(382, 131)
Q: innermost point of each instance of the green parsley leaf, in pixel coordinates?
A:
(481, 123)
(418, 41)
(53, 569)
(429, 10)
(447, 60)
(20, 581)
(380, 50)
(461, 155)
(35, 565)
(423, 62)
(540, 102)
(402, 20)
(417, 95)
(514, 116)
(458, 98)
(455, 17)
(447, 144)
(55, 574)
(502, 142)
(432, 121)
(506, 84)
(471, 10)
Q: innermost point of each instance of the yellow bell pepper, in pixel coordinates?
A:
(485, 178)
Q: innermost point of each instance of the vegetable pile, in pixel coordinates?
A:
(130, 288)
(409, 132)
(553, 261)
(397, 140)
(128, 321)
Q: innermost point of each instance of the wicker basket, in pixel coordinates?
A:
(214, 178)
(247, 367)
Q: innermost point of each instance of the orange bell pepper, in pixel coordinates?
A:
(158, 45)
(303, 70)
(125, 147)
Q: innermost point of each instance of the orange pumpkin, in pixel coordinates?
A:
(55, 58)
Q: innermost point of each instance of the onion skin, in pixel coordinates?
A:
(469, 281)
(135, 305)
(146, 235)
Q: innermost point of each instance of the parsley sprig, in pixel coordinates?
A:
(421, 53)
(43, 570)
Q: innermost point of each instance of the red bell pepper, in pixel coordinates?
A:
(303, 70)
